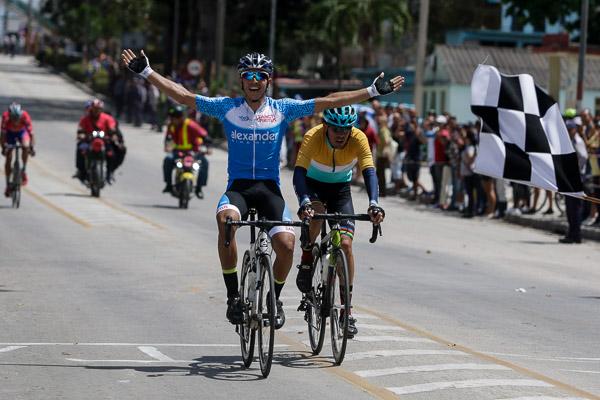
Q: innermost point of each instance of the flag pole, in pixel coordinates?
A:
(592, 199)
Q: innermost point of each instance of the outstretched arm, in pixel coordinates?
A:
(141, 66)
(340, 99)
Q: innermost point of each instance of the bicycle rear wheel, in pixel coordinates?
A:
(247, 334)
(266, 315)
(316, 321)
(339, 313)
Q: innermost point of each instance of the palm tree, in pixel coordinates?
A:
(349, 22)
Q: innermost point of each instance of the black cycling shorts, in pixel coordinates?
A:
(336, 197)
(264, 195)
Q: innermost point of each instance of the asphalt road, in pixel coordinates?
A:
(122, 297)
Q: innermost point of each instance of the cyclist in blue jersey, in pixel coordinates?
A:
(255, 126)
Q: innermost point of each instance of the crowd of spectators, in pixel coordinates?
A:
(405, 146)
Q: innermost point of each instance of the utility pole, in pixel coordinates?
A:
(6, 4)
(272, 37)
(583, 27)
(175, 37)
(220, 37)
(421, 48)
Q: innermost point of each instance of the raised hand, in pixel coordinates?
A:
(140, 65)
(379, 87)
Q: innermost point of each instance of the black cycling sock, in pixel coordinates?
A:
(278, 288)
(231, 283)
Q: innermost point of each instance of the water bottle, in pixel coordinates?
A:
(325, 265)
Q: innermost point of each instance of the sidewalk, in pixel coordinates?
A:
(555, 223)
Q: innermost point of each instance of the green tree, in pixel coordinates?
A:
(349, 22)
(89, 20)
(567, 12)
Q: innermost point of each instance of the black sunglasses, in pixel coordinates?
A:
(340, 129)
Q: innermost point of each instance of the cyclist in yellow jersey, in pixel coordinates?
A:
(322, 183)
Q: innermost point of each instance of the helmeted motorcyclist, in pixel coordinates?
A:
(184, 134)
(96, 120)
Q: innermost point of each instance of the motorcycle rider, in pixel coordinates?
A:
(97, 120)
(16, 127)
(184, 134)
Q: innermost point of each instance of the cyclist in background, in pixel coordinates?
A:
(255, 126)
(322, 183)
(16, 129)
(185, 134)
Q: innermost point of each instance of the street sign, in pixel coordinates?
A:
(195, 67)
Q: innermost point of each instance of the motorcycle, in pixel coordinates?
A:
(186, 167)
(96, 163)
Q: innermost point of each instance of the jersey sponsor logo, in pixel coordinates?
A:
(253, 136)
(244, 118)
(266, 118)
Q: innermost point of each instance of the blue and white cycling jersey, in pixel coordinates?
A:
(254, 139)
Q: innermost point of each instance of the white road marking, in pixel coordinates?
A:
(560, 359)
(428, 368)
(131, 344)
(409, 352)
(375, 327)
(152, 352)
(471, 383)
(10, 348)
(378, 339)
(582, 371)
(543, 398)
(360, 338)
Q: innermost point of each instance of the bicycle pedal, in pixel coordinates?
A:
(302, 306)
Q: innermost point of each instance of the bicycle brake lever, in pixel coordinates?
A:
(376, 230)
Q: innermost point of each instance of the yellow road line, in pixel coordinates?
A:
(60, 210)
(515, 367)
(65, 213)
(337, 370)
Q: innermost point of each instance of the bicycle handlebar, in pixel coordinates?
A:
(357, 217)
(263, 223)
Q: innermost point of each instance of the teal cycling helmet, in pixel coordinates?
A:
(342, 116)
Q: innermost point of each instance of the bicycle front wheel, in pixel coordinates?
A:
(340, 305)
(247, 334)
(266, 315)
(16, 184)
(316, 321)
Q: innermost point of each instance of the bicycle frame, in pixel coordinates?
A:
(256, 278)
(325, 299)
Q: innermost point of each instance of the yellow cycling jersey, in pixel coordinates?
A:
(326, 164)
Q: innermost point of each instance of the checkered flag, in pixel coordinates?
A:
(523, 137)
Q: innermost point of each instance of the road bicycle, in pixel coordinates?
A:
(329, 280)
(257, 289)
(17, 179)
